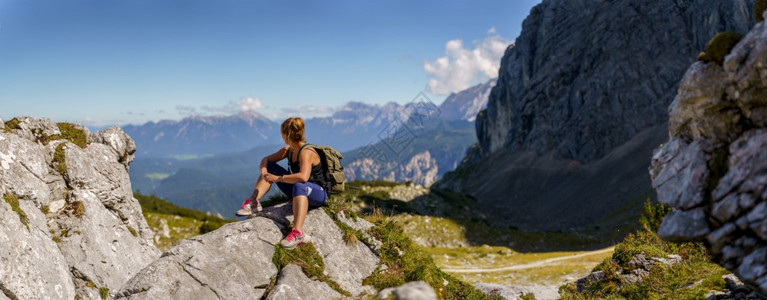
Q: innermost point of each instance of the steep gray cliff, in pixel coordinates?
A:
(579, 105)
(713, 170)
(70, 226)
(586, 76)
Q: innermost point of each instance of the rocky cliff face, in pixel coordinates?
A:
(70, 225)
(586, 76)
(579, 105)
(713, 170)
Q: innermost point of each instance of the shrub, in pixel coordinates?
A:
(759, 7)
(77, 208)
(691, 279)
(104, 292)
(653, 215)
(59, 159)
(12, 124)
(73, 134)
(719, 46)
(210, 226)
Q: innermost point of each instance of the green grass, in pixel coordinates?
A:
(12, 124)
(276, 199)
(310, 261)
(13, 201)
(59, 159)
(695, 276)
(372, 183)
(73, 134)
(183, 223)
(455, 216)
(407, 262)
(181, 228)
(104, 292)
(162, 206)
(132, 231)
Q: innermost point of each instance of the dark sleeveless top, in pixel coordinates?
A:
(315, 176)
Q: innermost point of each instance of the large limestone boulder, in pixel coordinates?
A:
(244, 250)
(713, 171)
(84, 231)
(232, 262)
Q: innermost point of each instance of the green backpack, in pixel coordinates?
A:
(331, 167)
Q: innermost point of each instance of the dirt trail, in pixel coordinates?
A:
(536, 264)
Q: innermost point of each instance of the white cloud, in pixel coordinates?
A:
(233, 107)
(307, 111)
(250, 104)
(186, 110)
(461, 68)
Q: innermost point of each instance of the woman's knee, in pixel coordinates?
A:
(273, 168)
(300, 189)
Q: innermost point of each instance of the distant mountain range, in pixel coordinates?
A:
(199, 136)
(420, 141)
(353, 125)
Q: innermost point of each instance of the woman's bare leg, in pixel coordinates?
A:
(300, 209)
(260, 189)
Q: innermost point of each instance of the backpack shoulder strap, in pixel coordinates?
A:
(298, 158)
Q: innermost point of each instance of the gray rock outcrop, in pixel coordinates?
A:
(293, 284)
(713, 169)
(415, 290)
(244, 250)
(579, 105)
(635, 270)
(76, 221)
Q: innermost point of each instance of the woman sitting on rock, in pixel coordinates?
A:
(303, 183)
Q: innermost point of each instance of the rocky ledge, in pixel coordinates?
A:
(713, 170)
(70, 227)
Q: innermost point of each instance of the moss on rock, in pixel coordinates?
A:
(13, 201)
(759, 7)
(719, 46)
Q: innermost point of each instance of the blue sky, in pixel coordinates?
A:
(99, 63)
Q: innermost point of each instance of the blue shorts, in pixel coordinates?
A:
(315, 193)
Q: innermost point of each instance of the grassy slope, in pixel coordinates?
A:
(691, 279)
(183, 223)
(446, 234)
